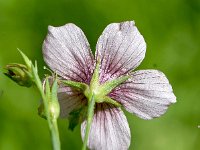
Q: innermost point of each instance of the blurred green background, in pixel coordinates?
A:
(171, 29)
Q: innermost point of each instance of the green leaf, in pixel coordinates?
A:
(35, 76)
(108, 86)
(76, 117)
(95, 77)
(26, 59)
(111, 101)
(54, 90)
(77, 85)
(47, 89)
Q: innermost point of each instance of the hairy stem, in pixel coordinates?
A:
(90, 113)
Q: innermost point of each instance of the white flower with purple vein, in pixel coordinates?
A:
(119, 50)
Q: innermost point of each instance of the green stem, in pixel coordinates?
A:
(90, 113)
(52, 122)
(55, 134)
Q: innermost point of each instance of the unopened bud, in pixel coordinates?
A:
(54, 109)
(19, 74)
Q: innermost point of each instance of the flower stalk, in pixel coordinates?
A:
(90, 114)
(49, 109)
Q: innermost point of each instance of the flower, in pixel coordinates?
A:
(119, 50)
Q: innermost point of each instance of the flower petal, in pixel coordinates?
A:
(120, 48)
(67, 52)
(109, 129)
(69, 100)
(147, 94)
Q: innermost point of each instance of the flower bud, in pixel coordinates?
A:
(54, 109)
(19, 74)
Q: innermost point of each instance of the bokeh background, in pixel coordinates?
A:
(171, 29)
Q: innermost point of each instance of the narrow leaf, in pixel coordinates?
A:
(108, 86)
(54, 90)
(77, 85)
(26, 59)
(47, 89)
